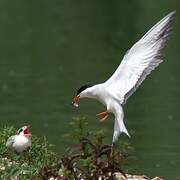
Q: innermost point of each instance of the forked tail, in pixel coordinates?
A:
(119, 126)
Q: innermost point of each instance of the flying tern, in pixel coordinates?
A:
(21, 141)
(143, 57)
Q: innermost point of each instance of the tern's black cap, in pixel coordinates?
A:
(82, 88)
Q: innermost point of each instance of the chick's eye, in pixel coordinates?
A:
(19, 131)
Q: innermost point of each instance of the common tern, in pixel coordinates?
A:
(21, 141)
(143, 57)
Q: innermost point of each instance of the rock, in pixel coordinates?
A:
(157, 178)
(120, 176)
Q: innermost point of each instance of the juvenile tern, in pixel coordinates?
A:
(21, 141)
(143, 57)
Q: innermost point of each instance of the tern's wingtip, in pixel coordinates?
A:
(172, 13)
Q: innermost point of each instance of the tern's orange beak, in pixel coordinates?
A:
(75, 101)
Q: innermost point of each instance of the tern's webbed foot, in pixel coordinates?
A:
(103, 116)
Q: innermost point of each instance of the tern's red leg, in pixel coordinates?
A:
(102, 116)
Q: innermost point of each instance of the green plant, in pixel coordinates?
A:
(91, 158)
(28, 164)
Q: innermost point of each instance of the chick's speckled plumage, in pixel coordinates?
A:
(19, 142)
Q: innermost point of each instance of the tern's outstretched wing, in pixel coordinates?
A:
(144, 56)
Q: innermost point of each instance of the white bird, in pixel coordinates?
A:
(21, 141)
(143, 57)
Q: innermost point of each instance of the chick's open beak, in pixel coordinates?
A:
(75, 101)
(27, 132)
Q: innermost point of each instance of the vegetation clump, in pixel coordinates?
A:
(28, 164)
(89, 158)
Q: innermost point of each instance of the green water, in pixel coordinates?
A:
(50, 48)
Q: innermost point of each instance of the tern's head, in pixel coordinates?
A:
(81, 92)
(24, 131)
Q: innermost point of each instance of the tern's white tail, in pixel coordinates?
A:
(119, 126)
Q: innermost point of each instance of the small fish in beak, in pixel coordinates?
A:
(75, 101)
(75, 105)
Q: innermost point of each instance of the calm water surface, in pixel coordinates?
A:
(50, 48)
